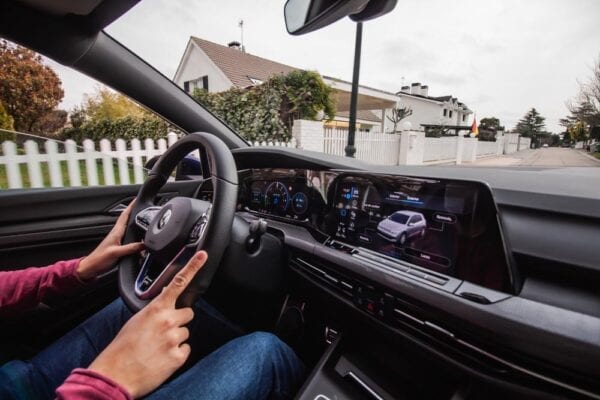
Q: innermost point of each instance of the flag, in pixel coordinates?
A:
(474, 128)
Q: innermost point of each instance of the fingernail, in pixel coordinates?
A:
(201, 255)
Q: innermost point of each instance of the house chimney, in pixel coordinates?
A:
(235, 45)
(405, 89)
(424, 90)
(415, 88)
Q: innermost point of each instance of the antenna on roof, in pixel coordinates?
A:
(241, 25)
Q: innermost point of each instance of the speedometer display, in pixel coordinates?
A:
(291, 194)
(277, 198)
(300, 203)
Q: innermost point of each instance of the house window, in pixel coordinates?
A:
(450, 114)
(464, 117)
(200, 83)
(255, 81)
(445, 112)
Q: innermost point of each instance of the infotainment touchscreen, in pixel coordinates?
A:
(419, 220)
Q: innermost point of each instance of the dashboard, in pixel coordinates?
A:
(447, 227)
(500, 265)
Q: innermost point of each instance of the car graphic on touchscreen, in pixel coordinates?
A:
(401, 226)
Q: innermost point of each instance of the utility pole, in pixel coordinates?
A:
(350, 148)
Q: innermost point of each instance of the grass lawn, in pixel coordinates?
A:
(597, 155)
(65, 175)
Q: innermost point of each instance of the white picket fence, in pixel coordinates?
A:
(290, 143)
(97, 163)
(379, 148)
(49, 163)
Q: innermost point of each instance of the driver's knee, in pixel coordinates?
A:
(271, 354)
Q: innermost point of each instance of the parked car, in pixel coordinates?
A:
(402, 226)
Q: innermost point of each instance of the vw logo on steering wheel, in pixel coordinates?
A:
(164, 219)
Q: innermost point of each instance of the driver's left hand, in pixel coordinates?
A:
(109, 251)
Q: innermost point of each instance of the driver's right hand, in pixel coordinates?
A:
(150, 347)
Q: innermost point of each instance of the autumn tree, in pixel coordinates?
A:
(531, 124)
(6, 121)
(107, 104)
(584, 109)
(110, 115)
(50, 124)
(29, 89)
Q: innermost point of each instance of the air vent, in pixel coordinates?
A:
(334, 280)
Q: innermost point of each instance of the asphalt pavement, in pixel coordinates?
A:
(543, 157)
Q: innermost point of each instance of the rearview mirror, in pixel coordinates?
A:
(303, 16)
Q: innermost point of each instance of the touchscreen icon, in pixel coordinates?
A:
(401, 226)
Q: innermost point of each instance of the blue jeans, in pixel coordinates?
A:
(254, 366)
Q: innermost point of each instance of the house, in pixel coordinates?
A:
(216, 68)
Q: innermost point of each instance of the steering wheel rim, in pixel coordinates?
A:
(209, 225)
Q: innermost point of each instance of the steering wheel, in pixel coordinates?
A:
(175, 231)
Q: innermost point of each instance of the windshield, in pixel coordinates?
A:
(399, 218)
(468, 83)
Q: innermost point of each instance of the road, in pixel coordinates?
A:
(548, 157)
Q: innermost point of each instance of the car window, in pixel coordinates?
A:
(418, 102)
(54, 135)
(400, 218)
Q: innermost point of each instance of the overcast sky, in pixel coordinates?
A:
(499, 57)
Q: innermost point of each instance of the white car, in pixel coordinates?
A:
(402, 225)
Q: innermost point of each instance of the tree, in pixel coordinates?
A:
(585, 107)
(267, 111)
(578, 132)
(488, 127)
(6, 121)
(398, 114)
(50, 124)
(106, 104)
(531, 124)
(29, 89)
(110, 115)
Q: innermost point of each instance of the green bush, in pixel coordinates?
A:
(126, 128)
(266, 112)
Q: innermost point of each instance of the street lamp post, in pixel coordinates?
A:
(350, 148)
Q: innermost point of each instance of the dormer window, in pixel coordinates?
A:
(255, 81)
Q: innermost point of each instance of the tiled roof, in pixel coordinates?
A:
(365, 115)
(241, 67)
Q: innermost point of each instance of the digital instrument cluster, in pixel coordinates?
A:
(286, 193)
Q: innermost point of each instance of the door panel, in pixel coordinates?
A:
(39, 227)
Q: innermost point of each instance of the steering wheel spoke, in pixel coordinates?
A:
(145, 217)
(153, 275)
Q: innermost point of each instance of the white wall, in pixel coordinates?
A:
(423, 112)
(196, 64)
(427, 112)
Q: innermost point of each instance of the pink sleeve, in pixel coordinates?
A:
(84, 384)
(25, 289)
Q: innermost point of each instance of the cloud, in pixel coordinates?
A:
(499, 57)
